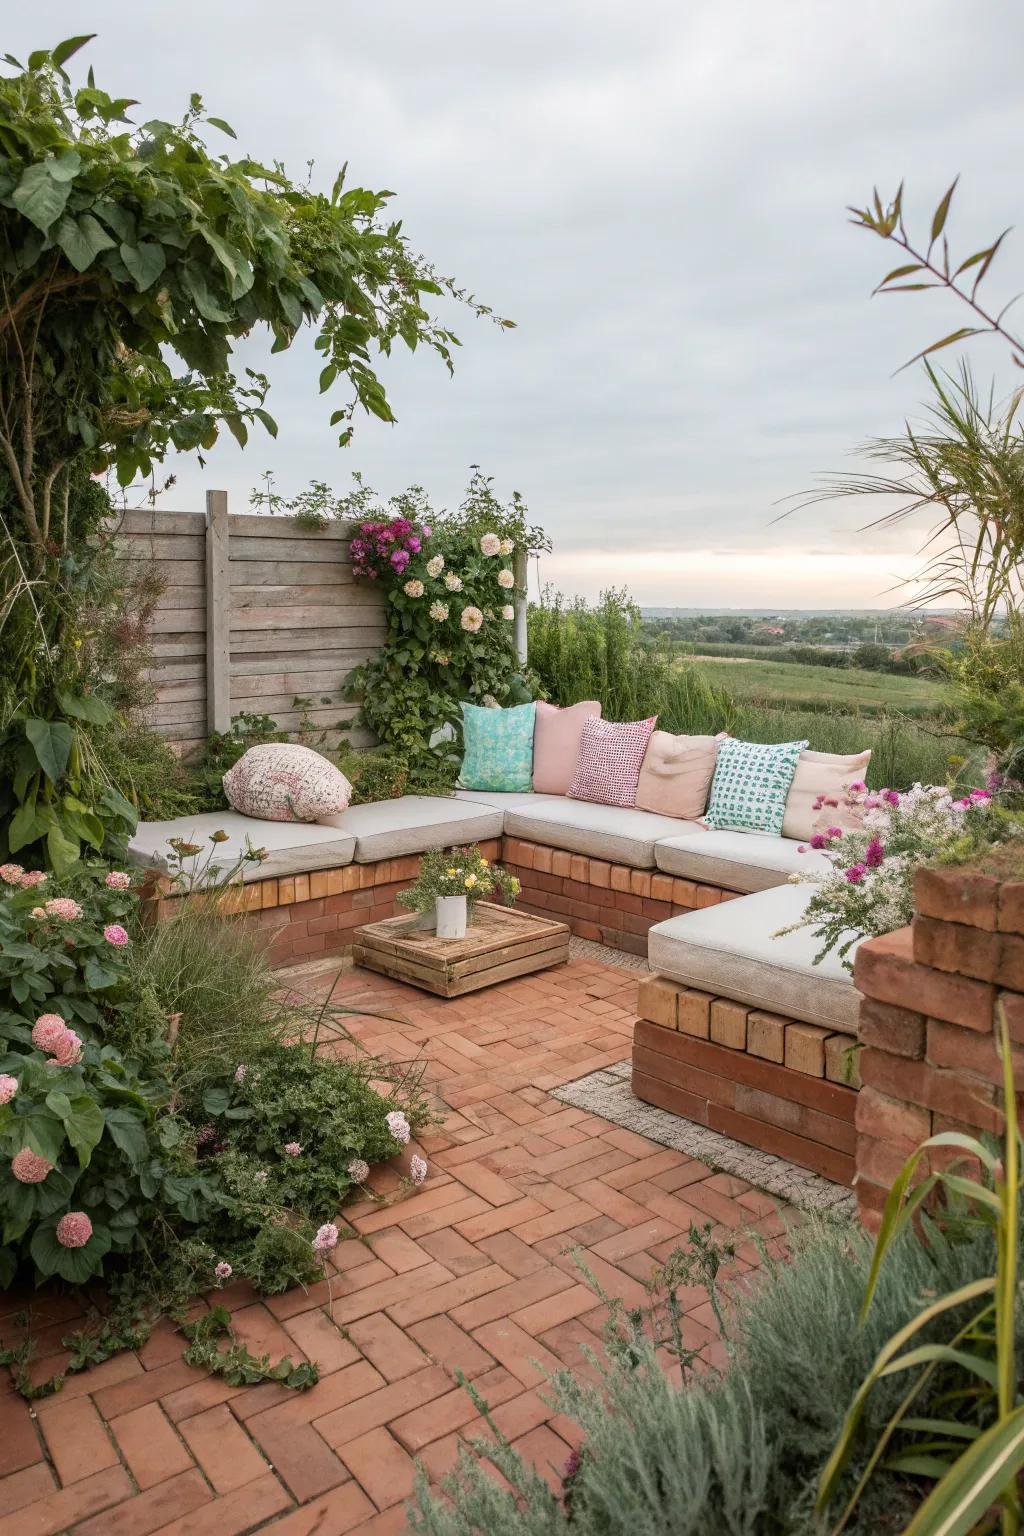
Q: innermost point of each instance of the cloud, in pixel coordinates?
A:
(656, 194)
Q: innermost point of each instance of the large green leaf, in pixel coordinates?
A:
(82, 239)
(86, 706)
(43, 1132)
(144, 261)
(63, 851)
(51, 741)
(128, 1133)
(24, 827)
(82, 1119)
(41, 195)
(974, 1482)
(69, 47)
(76, 1265)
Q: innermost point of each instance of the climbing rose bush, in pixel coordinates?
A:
(870, 887)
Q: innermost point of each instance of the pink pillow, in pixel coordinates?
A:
(556, 744)
(676, 775)
(609, 762)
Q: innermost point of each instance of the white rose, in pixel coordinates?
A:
(490, 702)
(452, 582)
(471, 619)
(435, 566)
(508, 612)
(506, 578)
(490, 544)
(439, 611)
(413, 588)
(507, 547)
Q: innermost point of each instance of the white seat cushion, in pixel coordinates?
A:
(292, 847)
(617, 833)
(503, 799)
(730, 950)
(391, 829)
(737, 861)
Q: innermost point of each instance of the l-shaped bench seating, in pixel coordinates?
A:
(738, 1029)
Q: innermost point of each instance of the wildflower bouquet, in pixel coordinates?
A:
(870, 888)
(462, 872)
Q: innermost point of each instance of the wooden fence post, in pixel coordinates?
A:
(218, 614)
(519, 567)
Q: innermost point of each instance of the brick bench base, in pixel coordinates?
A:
(776, 1084)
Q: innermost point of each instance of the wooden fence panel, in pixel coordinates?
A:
(254, 617)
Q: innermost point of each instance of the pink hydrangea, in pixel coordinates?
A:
(116, 935)
(223, 1271)
(32, 877)
(11, 874)
(67, 1052)
(29, 1168)
(418, 1169)
(358, 1171)
(292, 1148)
(855, 874)
(398, 1125)
(74, 1230)
(47, 1030)
(63, 907)
(118, 880)
(326, 1238)
(8, 1087)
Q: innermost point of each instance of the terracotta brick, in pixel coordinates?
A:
(684, 893)
(881, 1162)
(842, 1063)
(1009, 971)
(150, 1445)
(695, 1013)
(892, 1029)
(916, 1082)
(658, 1000)
(561, 863)
(156, 1508)
(968, 1052)
(661, 888)
(1011, 906)
(381, 1467)
(386, 1347)
(60, 1510)
(19, 1439)
(766, 1035)
(579, 868)
(75, 1438)
(729, 1024)
(335, 882)
(447, 1345)
(884, 969)
(956, 947)
(891, 1120)
(391, 1402)
(640, 882)
(222, 1448)
(708, 896)
(805, 1048)
(957, 896)
(319, 883)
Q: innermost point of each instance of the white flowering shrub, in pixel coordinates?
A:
(870, 887)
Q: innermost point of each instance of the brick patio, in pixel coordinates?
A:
(468, 1273)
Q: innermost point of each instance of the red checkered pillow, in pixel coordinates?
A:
(609, 762)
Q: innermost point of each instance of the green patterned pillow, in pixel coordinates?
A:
(748, 792)
(498, 747)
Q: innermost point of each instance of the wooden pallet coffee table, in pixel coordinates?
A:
(500, 943)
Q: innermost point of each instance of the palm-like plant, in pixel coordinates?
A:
(977, 1457)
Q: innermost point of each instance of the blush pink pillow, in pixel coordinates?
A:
(556, 744)
(609, 762)
(676, 775)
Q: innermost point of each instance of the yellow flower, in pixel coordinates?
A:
(450, 872)
(470, 882)
(484, 864)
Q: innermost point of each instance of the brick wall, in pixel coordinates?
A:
(931, 991)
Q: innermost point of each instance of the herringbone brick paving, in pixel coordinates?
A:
(471, 1273)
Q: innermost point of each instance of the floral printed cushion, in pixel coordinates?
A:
(748, 792)
(611, 755)
(498, 747)
(281, 781)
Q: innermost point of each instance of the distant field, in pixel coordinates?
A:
(824, 688)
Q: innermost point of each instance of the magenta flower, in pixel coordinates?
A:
(358, 1171)
(819, 840)
(326, 1238)
(292, 1148)
(29, 1168)
(223, 1271)
(857, 787)
(874, 854)
(426, 531)
(413, 544)
(890, 797)
(116, 935)
(977, 795)
(855, 874)
(831, 802)
(418, 1169)
(8, 1087)
(47, 1030)
(118, 880)
(834, 832)
(74, 1230)
(398, 1125)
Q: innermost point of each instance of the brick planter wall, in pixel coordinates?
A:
(783, 1086)
(929, 1060)
(610, 903)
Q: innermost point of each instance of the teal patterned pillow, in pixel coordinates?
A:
(498, 747)
(748, 792)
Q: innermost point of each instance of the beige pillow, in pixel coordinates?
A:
(281, 781)
(823, 773)
(676, 774)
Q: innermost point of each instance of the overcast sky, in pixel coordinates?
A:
(655, 193)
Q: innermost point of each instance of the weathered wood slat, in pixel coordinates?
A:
(183, 597)
(339, 636)
(250, 686)
(181, 712)
(333, 552)
(180, 573)
(162, 546)
(178, 621)
(180, 690)
(159, 521)
(247, 524)
(332, 596)
(499, 944)
(313, 618)
(175, 671)
(336, 663)
(287, 573)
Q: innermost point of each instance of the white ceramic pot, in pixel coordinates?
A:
(450, 918)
